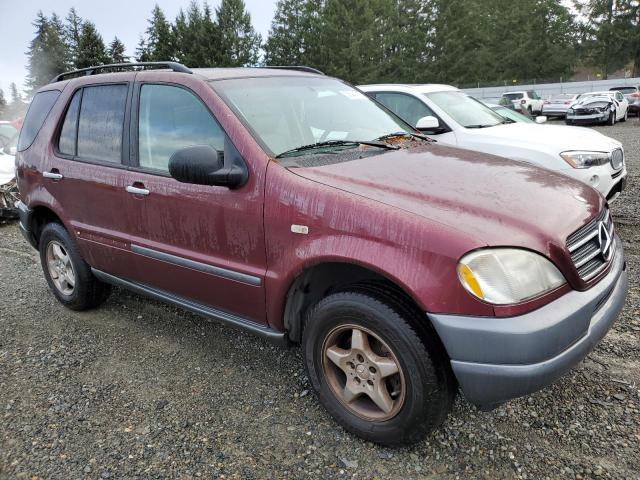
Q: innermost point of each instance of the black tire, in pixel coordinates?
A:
(430, 387)
(530, 109)
(88, 292)
(626, 115)
(612, 118)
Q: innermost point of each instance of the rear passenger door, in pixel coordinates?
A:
(201, 243)
(85, 174)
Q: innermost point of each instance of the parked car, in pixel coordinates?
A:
(598, 107)
(454, 118)
(557, 105)
(524, 100)
(511, 114)
(8, 186)
(291, 205)
(632, 94)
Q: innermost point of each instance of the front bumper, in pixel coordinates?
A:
(602, 177)
(587, 119)
(554, 112)
(497, 359)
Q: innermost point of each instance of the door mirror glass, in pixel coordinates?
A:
(427, 123)
(541, 119)
(199, 164)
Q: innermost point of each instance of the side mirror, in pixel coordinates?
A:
(204, 165)
(427, 123)
(541, 119)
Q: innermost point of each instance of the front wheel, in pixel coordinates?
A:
(373, 371)
(612, 118)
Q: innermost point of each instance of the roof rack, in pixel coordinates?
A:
(174, 66)
(299, 68)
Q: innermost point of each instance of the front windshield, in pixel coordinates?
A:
(285, 113)
(466, 110)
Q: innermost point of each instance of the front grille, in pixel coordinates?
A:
(617, 159)
(592, 247)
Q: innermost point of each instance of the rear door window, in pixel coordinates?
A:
(40, 107)
(101, 123)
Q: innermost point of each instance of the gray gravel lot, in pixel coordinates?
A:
(137, 389)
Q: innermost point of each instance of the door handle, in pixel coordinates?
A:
(137, 191)
(53, 175)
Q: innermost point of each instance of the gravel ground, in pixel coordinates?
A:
(137, 389)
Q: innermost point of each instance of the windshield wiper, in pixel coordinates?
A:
(337, 143)
(405, 134)
(483, 126)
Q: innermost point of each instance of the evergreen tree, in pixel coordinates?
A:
(116, 52)
(287, 42)
(189, 32)
(142, 52)
(160, 42)
(3, 104)
(48, 54)
(17, 106)
(91, 49)
(72, 28)
(239, 43)
(604, 35)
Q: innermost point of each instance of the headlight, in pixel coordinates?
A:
(505, 276)
(580, 159)
(570, 111)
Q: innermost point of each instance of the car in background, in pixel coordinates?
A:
(524, 100)
(598, 107)
(8, 186)
(632, 94)
(8, 130)
(510, 114)
(557, 105)
(454, 118)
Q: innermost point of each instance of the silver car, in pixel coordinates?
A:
(557, 105)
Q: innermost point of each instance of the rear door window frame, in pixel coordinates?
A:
(124, 150)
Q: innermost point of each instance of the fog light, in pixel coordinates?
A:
(594, 180)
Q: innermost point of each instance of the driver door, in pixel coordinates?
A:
(201, 243)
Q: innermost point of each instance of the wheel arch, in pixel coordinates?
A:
(321, 279)
(40, 216)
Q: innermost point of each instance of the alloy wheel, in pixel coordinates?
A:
(60, 268)
(363, 373)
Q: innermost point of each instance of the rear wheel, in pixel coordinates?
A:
(373, 371)
(626, 115)
(68, 275)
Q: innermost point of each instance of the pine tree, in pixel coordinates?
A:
(3, 104)
(160, 42)
(116, 52)
(91, 49)
(286, 44)
(239, 42)
(72, 28)
(48, 54)
(142, 52)
(188, 33)
(17, 106)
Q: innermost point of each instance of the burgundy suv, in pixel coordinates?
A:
(289, 204)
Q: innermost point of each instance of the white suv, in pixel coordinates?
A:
(454, 118)
(524, 100)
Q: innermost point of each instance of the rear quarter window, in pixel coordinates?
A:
(38, 111)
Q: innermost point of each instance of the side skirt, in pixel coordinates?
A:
(273, 336)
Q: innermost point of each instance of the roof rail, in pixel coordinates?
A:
(299, 68)
(174, 66)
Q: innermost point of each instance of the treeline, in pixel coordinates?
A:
(449, 41)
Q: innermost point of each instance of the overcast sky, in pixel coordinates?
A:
(125, 18)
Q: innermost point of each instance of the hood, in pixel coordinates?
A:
(556, 137)
(581, 102)
(7, 168)
(492, 200)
